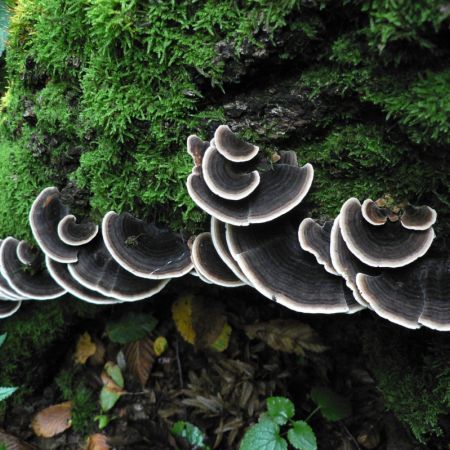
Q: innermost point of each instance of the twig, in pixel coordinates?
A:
(350, 435)
(180, 371)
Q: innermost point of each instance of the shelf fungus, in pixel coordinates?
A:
(233, 148)
(29, 280)
(259, 195)
(387, 245)
(145, 250)
(97, 270)
(210, 265)
(411, 296)
(315, 239)
(270, 256)
(60, 273)
(8, 307)
(75, 234)
(418, 217)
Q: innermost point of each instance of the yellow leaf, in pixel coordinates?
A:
(85, 349)
(222, 342)
(160, 345)
(182, 316)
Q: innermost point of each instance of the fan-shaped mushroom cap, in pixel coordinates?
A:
(196, 148)
(280, 190)
(270, 256)
(389, 245)
(411, 296)
(34, 283)
(76, 234)
(346, 264)
(315, 239)
(60, 273)
(97, 270)
(373, 213)
(418, 217)
(8, 308)
(288, 157)
(208, 263)
(233, 148)
(45, 214)
(218, 235)
(227, 179)
(143, 249)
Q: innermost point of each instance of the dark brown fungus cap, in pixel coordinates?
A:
(8, 308)
(75, 234)
(270, 256)
(208, 263)
(143, 249)
(45, 215)
(411, 296)
(288, 157)
(218, 235)
(60, 273)
(315, 239)
(281, 189)
(390, 245)
(31, 282)
(97, 270)
(227, 179)
(346, 263)
(196, 148)
(233, 148)
(418, 217)
(373, 213)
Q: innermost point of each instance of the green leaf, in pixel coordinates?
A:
(2, 338)
(265, 435)
(192, 434)
(103, 421)
(5, 392)
(301, 436)
(333, 406)
(280, 409)
(108, 398)
(130, 328)
(113, 370)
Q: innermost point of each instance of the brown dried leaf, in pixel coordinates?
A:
(52, 420)
(13, 443)
(286, 335)
(85, 348)
(97, 441)
(140, 356)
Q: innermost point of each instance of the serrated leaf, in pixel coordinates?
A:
(130, 328)
(3, 338)
(280, 409)
(140, 356)
(290, 336)
(192, 434)
(301, 436)
(5, 392)
(332, 405)
(265, 435)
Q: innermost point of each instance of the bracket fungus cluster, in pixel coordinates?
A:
(125, 260)
(370, 256)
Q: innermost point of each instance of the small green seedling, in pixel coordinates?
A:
(5, 392)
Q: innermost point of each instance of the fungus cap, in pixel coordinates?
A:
(196, 148)
(233, 148)
(209, 264)
(373, 213)
(418, 217)
(31, 283)
(390, 245)
(143, 249)
(75, 234)
(8, 308)
(45, 215)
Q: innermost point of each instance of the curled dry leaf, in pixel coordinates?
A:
(85, 348)
(52, 420)
(286, 335)
(97, 441)
(10, 442)
(112, 388)
(140, 356)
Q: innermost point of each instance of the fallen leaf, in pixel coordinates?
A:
(97, 441)
(85, 348)
(98, 358)
(160, 345)
(130, 328)
(140, 356)
(11, 442)
(113, 370)
(222, 342)
(286, 335)
(52, 420)
(182, 316)
(112, 389)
